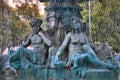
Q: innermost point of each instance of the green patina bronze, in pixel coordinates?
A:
(64, 52)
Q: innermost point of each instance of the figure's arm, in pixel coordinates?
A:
(46, 41)
(64, 44)
(27, 42)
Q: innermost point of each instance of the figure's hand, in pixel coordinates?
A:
(40, 33)
(58, 63)
(83, 49)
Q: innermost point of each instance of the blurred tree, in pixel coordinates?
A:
(12, 29)
(105, 21)
(105, 18)
(28, 10)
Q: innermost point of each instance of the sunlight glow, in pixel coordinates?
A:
(40, 5)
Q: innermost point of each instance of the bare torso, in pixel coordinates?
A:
(37, 43)
(76, 41)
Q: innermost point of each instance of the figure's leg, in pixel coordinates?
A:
(92, 58)
(15, 55)
(21, 54)
(78, 60)
(75, 63)
(96, 61)
(81, 72)
(16, 65)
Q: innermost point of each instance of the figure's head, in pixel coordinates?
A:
(77, 24)
(51, 19)
(36, 24)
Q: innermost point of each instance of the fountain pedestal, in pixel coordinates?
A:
(62, 74)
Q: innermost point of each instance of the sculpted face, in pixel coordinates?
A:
(35, 24)
(35, 29)
(77, 27)
(51, 22)
(77, 24)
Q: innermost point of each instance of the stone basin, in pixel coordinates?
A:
(65, 74)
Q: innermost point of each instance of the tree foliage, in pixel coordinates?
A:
(28, 10)
(105, 18)
(12, 29)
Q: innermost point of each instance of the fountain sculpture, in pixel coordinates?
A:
(64, 51)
